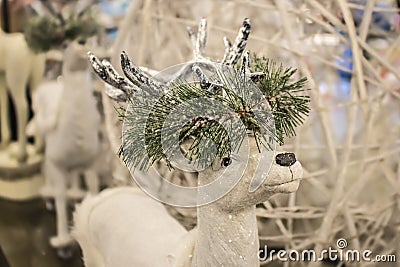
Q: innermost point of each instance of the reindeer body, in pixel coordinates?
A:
(19, 67)
(123, 227)
(102, 243)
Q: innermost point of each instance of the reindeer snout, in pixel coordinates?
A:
(285, 159)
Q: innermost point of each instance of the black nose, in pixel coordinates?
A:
(285, 159)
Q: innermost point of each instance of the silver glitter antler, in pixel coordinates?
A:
(135, 79)
(121, 87)
(232, 52)
(137, 76)
(199, 42)
(228, 47)
(205, 82)
(235, 51)
(254, 76)
(246, 63)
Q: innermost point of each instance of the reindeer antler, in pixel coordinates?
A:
(121, 87)
(135, 79)
(135, 75)
(235, 51)
(232, 52)
(199, 42)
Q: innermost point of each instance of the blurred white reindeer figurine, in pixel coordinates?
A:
(19, 67)
(71, 138)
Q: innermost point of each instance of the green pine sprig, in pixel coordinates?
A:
(289, 104)
(228, 117)
(149, 136)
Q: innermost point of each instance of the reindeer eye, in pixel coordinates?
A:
(226, 162)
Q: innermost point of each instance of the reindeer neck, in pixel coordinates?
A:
(226, 237)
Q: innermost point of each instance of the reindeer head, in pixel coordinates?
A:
(283, 176)
(285, 172)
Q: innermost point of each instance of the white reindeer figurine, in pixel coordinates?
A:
(123, 227)
(19, 67)
(71, 138)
